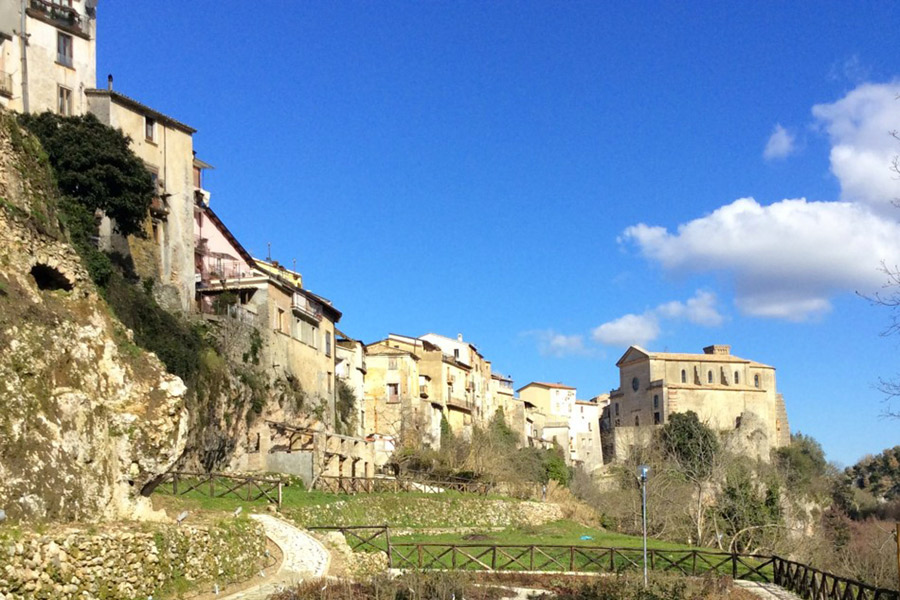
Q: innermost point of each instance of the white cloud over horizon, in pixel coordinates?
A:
(788, 259)
(781, 144)
(646, 327)
(558, 345)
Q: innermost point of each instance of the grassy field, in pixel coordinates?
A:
(564, 532)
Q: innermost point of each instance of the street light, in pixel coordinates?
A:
(643, 471)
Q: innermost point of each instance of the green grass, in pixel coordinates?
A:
(564, 532)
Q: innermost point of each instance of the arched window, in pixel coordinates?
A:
(756, 381)
(637, 421)
(655, 401)
(635, 384)
(683, 376)
(709, 377)
(737, 378)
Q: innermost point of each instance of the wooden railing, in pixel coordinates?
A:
(812, 584)
(364, 537)
(220, 485)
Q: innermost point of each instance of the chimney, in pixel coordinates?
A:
(458, 337)
(717, 349)
(109, 82)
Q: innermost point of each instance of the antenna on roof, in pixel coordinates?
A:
(295, 265)
(269, 252)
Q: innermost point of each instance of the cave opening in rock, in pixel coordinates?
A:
(48, 278)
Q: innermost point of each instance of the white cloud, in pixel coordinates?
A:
(627, 330)
(552, 343)
(780, 144)
(645, 328)
(788, 259)
(859, 126)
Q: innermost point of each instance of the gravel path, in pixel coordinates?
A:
(304, 557)
(766, 591)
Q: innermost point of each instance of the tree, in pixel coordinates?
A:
(693, 449)
(95, 166)
(802, 461)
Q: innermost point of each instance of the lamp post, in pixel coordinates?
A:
(643, 470)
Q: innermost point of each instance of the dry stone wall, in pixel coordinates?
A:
(155, 561)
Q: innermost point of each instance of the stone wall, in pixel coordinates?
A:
(125, 562)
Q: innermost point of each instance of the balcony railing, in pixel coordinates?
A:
(215, 269)
(6, 84)
(301, 304)
(60, 13)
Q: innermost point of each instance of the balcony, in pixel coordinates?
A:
(6, 84)
(302, 306)
(59, 14)
(458, 404)
(159, 208)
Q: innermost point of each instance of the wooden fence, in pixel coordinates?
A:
(364, 537)
(220, 485)
(812, 584)
(803, 580)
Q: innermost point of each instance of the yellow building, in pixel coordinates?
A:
(727, 392)
(392, 394)
(553, 404)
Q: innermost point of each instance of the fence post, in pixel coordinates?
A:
(494, 558)
(279, 493)
(733, 565)
(387, 535)
(174, 484)
(212, 486)
(572, 559)
(419, 551)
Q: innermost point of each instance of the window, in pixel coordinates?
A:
(657, 418)
(635, 384)
(64, 101)
(330, 381)
(456, 353)
(392, 363)
(327, 343)
(150, 129)
(683, 376)
(393, 392)
(637, 421)
(756, 381)
(64, 49)
(709, 377)
(618, 422)
(617, 409)
(737, 378)
(279, 319)
(655, 401)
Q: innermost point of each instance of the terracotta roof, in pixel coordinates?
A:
(699, 357)
(143, 108)
(546, 385)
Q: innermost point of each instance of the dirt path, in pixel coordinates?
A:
(766, 591)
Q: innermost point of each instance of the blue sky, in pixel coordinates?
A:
(558, 180)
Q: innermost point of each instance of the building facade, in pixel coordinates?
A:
(727, 392)
(47, 55)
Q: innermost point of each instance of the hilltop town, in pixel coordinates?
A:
(361, 400)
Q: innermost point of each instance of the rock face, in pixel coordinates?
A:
(86, 417)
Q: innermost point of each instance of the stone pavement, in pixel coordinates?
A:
(766, 591)
(304, 557)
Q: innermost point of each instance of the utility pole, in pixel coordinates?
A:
(643, 471)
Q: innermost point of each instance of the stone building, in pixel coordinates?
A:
(165, 145)
(350, 368)
(727, 392)
(47, 55)
(392, 395)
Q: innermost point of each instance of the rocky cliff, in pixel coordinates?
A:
(87, 418)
